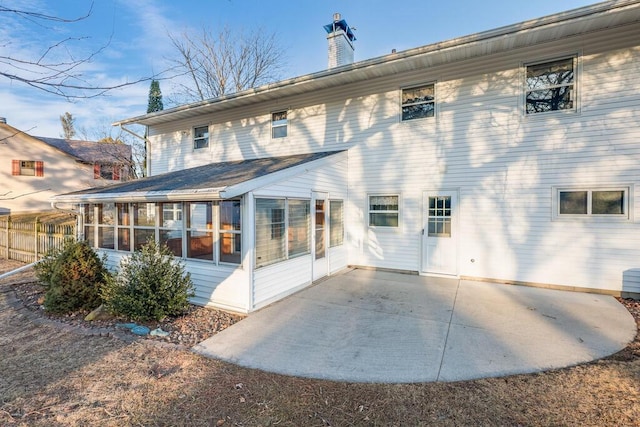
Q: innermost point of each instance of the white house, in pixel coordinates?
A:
(509, 155)
(33, 169)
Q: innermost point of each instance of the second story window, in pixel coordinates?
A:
(200, 137)
(418, 102)
(550, 86)
(279, 124)
(27, 167)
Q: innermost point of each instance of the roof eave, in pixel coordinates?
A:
(140, 196)
(474, 43)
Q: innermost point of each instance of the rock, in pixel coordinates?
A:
(99, 313)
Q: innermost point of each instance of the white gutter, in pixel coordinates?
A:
(140, 196)
(584, 13)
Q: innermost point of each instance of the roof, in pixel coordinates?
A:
(90, 151)
(214, 180)
(600, 16)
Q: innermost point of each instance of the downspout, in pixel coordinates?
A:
(147, 148)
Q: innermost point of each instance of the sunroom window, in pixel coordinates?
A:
(550, 86)
(283, 230)
(418, 102)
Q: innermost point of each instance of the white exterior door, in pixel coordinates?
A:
(320, 235)
(440, 233)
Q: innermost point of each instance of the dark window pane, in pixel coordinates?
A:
(607, 203)
(173, 240)
(124, 239)
(230, 247)
(89, 236)
(105, 237)
(383, 219)
(142, 236)
(573, 202)
(200, 245)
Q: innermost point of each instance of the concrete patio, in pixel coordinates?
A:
(372, 326)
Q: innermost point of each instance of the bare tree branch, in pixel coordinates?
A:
(229, 61)
(57, 70)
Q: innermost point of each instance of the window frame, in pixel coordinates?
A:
(575, 57)
(369, 210)
(626, 216)
(284, 235)
(280, 124)
(403, 104)
(195, 139)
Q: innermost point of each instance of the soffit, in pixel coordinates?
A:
(530, 33)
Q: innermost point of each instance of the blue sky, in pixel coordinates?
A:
(135, 32)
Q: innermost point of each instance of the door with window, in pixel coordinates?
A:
(440, 233)
(320, 235)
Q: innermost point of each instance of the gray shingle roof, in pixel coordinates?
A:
(214, 175)
(90, 151)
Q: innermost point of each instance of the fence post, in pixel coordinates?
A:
(8, 237)
(35, 233)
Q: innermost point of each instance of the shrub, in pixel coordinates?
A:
(150, 284)
(72, 277)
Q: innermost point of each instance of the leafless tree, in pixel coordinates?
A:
(104, 133)
(55, 69)
(227, 62)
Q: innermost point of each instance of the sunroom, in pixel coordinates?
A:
(249, 232)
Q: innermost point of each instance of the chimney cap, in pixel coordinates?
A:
(340, 24)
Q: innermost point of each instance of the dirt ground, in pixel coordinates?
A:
(52, 374)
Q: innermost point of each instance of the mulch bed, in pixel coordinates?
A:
(194, 326)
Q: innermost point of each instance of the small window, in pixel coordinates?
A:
(27, 168)
(201, 137)
(279, 124)
(384, 211)
(418, 102)
(550, 86)
(593, 202)
(106, 171)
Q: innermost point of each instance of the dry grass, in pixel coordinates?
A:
(51, 376)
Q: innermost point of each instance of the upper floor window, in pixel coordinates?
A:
(418, 102)
(27, 168)
(106, 171)
(384, 210)
(550, 86)
(201, 137)
(279, 124)
(608, 202)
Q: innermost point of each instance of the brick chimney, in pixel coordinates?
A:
(340, 38)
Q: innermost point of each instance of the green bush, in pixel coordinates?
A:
(72, 277)
(150, 284)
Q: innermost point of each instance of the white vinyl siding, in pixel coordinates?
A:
(503, 164)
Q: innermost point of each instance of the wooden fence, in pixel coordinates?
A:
(29, 241)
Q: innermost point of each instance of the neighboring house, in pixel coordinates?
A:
(33, 169)
(509, 155)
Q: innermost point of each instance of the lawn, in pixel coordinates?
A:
(53, 375)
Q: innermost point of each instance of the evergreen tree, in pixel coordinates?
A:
(68, 123)
(155, 97)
